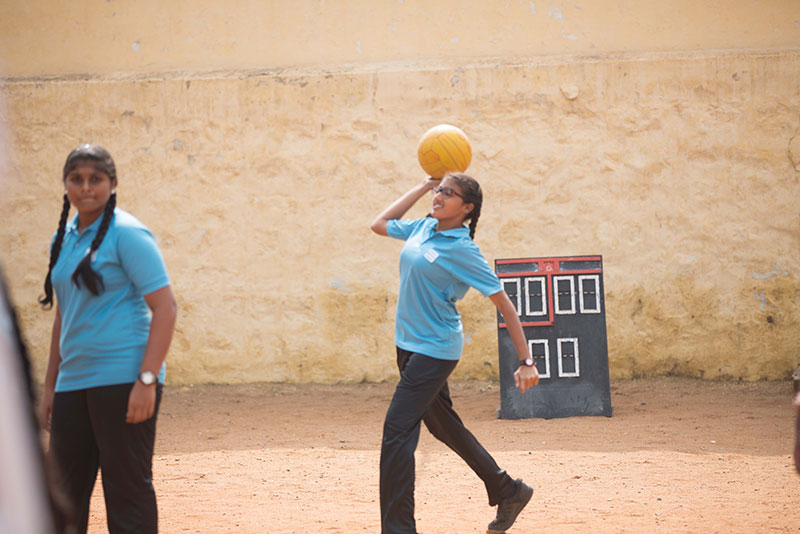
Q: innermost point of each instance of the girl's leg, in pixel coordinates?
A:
(126, 461)
(421, 378)
(445, 424)
(73, 447)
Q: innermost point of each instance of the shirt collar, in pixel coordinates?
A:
(72, 225)
(461, 231)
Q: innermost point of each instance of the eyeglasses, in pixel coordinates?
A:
(446, 192)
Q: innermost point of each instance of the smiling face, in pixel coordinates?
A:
(88, 189)
(449, 206)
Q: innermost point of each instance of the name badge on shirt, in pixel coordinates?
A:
(431, 255)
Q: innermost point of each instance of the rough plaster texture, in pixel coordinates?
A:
(52, 37)
(681, 170)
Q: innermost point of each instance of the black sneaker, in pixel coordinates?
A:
(509, 509)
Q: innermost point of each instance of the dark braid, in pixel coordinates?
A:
(473, 221)
(471, 190)
(47, 300)
(84, 271)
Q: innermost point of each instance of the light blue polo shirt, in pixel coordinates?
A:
(103, 337)
(436, 270)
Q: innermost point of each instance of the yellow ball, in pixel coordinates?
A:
(444, 149)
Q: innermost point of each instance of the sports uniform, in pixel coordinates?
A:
(436, 270)
(102, 344)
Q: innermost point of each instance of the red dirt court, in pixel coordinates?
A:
(678, 455)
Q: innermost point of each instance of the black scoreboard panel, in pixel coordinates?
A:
(561, 307)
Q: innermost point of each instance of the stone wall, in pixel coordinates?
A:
(680, 168)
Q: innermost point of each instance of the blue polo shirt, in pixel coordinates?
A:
(436, 270)
(103, 337)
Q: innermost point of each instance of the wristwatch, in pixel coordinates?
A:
(527, 362)
(147, 378)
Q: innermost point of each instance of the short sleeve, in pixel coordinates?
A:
(402, 228)
(141, 259)
(473, 270)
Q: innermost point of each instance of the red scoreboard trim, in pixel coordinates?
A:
(537, 260)
(549, 274)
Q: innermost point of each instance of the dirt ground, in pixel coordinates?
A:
(677, 456)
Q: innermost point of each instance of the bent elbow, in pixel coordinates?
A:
(378, 226)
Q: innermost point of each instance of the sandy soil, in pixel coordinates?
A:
(677, 456)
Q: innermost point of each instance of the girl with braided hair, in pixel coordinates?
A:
(438, 264)
(114, 320)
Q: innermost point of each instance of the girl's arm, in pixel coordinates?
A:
(524, 377)
(142, 400)
(399, 207)
(46, 407)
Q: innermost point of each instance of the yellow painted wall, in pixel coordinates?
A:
(49, 37)
(675, 160)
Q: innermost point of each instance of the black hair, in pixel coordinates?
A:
(472, 194)
(91, 278)
(49, 477)
(47, 300)
(103, 162)
(19, 343)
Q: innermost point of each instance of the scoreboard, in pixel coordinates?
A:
(561, 306)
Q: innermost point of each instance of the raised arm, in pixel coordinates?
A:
(399, 207)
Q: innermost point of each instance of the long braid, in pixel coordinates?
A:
(473, 223)
(47, 300)
(471, 190)
(84, 271)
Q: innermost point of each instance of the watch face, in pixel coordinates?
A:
(529, 362)
(147, 377)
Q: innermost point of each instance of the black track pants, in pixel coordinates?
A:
(88, 430)
(422, 395)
